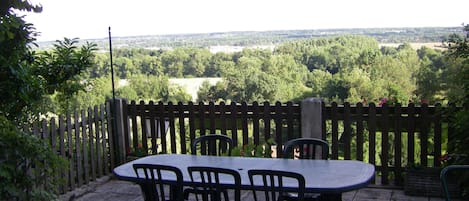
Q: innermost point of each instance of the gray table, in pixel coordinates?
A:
(321, 176)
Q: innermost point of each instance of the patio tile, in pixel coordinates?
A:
(100, 196)
(373, 194)
(398, 195)
(349, 196)
(121, 190)
(120, 187)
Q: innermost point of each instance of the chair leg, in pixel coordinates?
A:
(331, 197)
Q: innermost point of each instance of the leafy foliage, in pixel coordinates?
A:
(20, 88)
(457, 145)
(27, 165)
(60, 69)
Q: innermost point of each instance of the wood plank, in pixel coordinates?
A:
(255, 123)
(91, 145)
(346, 135)
(244, 122)
(335, 131)
(223, 115)
(385, 145)
(125, 124)
(290, 121)
(437, 135)
(133, 115)
(143, 124)
(211, 117)
(191, 108)
(154, 117)
(233, 120)
(105, 141)
(424, 130)
(182, 127)
(411, 134)
(372, 135)
(72, 176)
(78, 152)
(172, 126)
(398, 145)
(360, 133)
(99, 139)
(62, 171)
(110, 136)
(267, 117)
(85, 148)
(278, 128)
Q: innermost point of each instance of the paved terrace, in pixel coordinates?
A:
(108, 188)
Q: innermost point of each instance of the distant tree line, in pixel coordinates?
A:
(343, 68)
(253, 38)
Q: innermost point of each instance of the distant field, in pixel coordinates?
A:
(192, 85)
(416, 45)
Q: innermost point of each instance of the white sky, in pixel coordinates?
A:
(88, 19)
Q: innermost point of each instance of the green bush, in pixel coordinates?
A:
(251, 150)
(27, 165)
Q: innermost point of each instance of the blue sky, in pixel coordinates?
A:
(88, 19)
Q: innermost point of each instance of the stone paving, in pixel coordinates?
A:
(110, 189)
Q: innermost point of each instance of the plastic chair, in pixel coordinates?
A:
(154, 182)
(210, 185)
(306, 148)
(212, 144)
(444, 175)
(272, 184)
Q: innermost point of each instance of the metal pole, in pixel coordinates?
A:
(112, 67)
(115, 135)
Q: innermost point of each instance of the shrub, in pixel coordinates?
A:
(27, 165)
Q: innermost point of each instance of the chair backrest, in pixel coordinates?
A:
(157, 178)
(212, 144)
(209, 179)
(444, 177)
(306, 148)
(271, 182)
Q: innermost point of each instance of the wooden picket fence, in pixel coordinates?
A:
(390, 137)
(82, 139)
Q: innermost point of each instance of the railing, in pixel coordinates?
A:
(83, 140)
(245, 124)
(391, 138)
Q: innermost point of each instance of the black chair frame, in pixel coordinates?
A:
(307, 148)
(210, 185)
(273, 187)
(444, 177)
(212, 144)
(153, 184)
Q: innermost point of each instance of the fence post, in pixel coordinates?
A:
(311, 118)
(118, 134)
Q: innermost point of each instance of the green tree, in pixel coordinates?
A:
(458, 48)
(20, 88)
(22, 93)
(61, 70)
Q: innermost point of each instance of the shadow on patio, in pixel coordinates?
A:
(108, 188)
